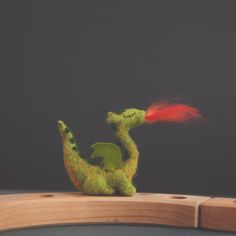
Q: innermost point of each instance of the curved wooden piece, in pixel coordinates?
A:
(219, 214)
(54, 208)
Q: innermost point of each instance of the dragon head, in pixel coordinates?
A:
(162, 111)
(126, 118)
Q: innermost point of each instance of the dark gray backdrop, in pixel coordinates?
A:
(76, 60)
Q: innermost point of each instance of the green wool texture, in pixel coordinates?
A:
(110, 153)
(114, 174)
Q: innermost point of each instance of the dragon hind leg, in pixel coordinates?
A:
(97, 185)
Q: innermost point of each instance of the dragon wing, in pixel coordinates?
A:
(110, 153)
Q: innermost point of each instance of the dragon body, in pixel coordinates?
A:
(114, 175)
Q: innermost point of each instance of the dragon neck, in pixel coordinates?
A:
(131, 164)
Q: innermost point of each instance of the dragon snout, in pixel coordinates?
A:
(109, 113)
(112, 118)
(109, 117)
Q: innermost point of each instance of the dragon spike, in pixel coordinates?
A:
(171, 111)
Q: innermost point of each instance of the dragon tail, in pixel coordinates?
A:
(74, 163)
(67, 136)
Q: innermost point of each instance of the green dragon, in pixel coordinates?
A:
(114, 174)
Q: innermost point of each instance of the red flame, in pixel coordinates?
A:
(171, 112)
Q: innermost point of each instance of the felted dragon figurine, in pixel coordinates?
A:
(114, 175)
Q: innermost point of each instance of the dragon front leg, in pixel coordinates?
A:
(121, 183)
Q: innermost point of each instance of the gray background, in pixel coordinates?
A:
(114, 230)
(77, 60)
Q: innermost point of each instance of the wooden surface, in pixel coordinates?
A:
(219, 214)
(40, 209)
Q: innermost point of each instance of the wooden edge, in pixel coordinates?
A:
(219, 214)
(60, 208)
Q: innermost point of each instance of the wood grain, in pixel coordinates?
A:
(219, 214)
(55, 208)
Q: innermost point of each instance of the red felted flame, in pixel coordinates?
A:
(171, 112)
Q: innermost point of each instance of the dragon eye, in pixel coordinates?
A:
(128, 116)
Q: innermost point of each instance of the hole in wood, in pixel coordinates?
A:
(178, 197)
(46, 195)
